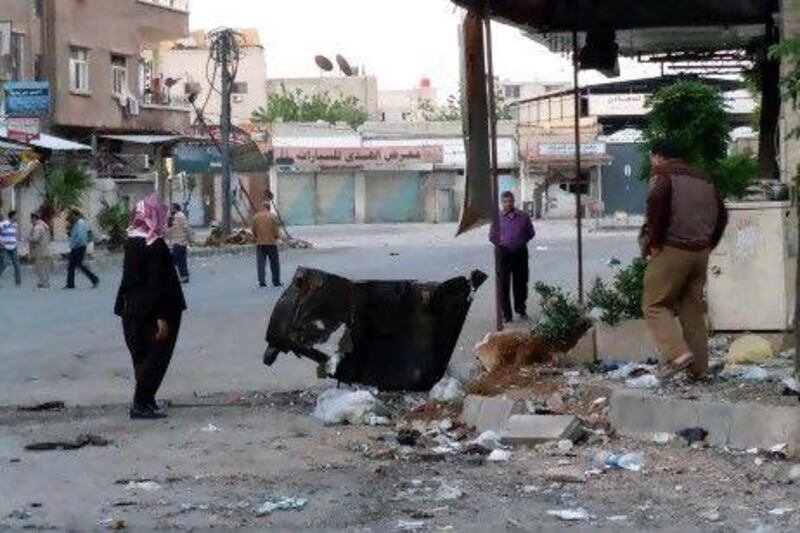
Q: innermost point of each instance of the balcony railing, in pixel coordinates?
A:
(177, 5)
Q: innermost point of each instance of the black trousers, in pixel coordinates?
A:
(264, 251)
(179, 257)
(150, 357)
(514, 273)
(76, 257)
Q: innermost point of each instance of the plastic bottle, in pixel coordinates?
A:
(628, 461)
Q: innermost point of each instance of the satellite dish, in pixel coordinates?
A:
(344, 66)
(323, 63)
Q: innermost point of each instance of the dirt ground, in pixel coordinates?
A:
(217, 459)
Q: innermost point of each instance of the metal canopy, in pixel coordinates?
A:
(582, 15)
(642, 26)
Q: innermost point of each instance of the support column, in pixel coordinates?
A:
(361, 197)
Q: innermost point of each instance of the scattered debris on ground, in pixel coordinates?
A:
(79, 442)
(45, 406)
(338, 406)
(281, 504)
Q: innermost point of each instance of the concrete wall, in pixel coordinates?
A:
(24, 22)
(189, 64)
(121, 27)
(363, 88)
(402, 105)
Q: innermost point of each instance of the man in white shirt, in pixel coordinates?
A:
(9, 242)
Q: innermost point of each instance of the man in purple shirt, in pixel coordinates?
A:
(512, 236)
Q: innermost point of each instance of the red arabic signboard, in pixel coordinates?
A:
(23, 129)
(359, 157)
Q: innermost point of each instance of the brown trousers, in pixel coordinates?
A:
(674, 282)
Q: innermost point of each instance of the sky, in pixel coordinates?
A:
(399, 41)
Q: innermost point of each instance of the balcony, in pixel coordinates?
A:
(175, 5)
(163, 20)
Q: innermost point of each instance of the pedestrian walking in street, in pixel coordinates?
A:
(9, 246)
(512, 236)
(685, 221)
(179, 235)
(150, 303)
(266, 230)
(39, 242)
(78, 242)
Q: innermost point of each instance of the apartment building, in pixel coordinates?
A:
(100, 59)
(187, 60)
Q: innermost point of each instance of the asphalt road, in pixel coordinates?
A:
(67, 345)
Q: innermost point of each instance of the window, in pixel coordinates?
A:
(38, 6)
(512, 91)
(79, 69)
(119, 74)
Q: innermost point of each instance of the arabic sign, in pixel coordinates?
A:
(359, 157)
(27, 98)
(618, 104)
(24, 129)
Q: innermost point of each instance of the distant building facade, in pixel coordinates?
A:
(363, 88)
(407, 105)
(185, 60)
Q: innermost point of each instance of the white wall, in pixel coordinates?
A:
(190, 66)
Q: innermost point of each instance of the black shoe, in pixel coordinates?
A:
(277, 284)
(95, 283)
(507, 319)
(69, 287)
(262, 285)
(145, 412)
(523, 316)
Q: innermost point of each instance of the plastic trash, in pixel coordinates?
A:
(281, 504)
(337, 406)
(570, 515)
(647, 381)
(210, 428)
(499, 456)
(446, 390)
(629, 461)
(147, 486)
(488, 439)
(745, 372)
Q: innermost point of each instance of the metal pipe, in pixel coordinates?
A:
(578, 206)
(498, 287)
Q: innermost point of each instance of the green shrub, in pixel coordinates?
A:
(623, 300)
(563, 320)
(114, 220)
(734, 174)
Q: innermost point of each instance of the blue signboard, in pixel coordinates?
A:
(27, 98)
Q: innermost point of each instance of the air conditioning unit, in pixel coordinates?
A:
(132, 107)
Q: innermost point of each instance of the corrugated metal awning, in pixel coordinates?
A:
(46, 142)
(148, 139)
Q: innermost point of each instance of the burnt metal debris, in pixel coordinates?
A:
(393, 335)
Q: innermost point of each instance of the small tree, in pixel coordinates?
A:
(114, 219)
(299, 107)
(694, 116)
(451, 110)
(64, 188)
(789, 50)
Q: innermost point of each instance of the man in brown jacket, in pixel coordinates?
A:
(685, 221)
(266, 230)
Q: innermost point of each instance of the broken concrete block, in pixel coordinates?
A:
(629, 340)
(536, 429)
(585, 351)
(569, 474)
(750, 349)
(740, 425)
(471, 409)
(495, 412)
(499, 348)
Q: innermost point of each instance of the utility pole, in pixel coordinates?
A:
(225, 128)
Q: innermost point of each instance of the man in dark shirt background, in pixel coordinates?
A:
(512, 236)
